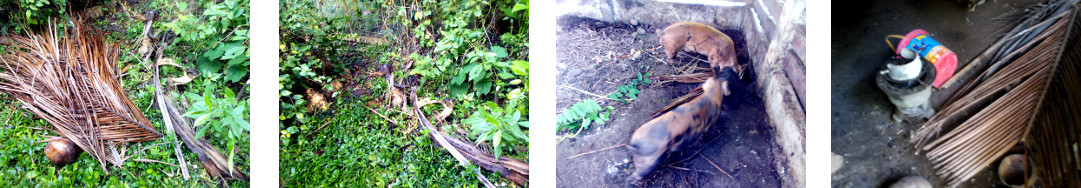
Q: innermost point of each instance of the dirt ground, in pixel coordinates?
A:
(598, 57)
(877, 152)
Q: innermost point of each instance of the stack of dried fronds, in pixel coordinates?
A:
(69, 78)
(1016, 100)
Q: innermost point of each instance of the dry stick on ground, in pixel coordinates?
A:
(589, 93)
(325, 123)
(482, 178)
(595, 151)
(688, 169)
(152, 161)
(715, 166)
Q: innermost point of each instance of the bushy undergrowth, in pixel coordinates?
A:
(471, 52)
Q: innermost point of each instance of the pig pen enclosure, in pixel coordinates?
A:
(611, 47)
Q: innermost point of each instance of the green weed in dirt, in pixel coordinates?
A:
(588, 112)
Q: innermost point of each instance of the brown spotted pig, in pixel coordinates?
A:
(678, 127)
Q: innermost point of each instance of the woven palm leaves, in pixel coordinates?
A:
(69, 78)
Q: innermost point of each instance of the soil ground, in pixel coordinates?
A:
(877, 152)
(598, 57)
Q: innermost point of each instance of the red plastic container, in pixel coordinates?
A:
(945, 61)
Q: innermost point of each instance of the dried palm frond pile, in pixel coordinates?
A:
(1031, 99)
(69, 78)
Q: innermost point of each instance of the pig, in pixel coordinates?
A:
(702, 39)
(678, 127)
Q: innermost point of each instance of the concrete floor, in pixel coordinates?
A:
(877, 152)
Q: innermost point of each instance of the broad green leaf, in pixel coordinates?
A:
(207, 66)
(460, 77)
(234, 50)
(476, 72)
(520, 67)
(495, 143)
(202, 129)
(585, 122)
(457, 90)
(519, 6)
(483, 87)
(236, 73)
(499, 51)
(505, 75)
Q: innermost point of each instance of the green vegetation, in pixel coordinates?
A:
(217, 56)
(469, 52)
(588, 112)
(582, 114)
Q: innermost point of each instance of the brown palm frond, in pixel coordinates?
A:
(1027, 98)
(1055, 135)
(69, 79)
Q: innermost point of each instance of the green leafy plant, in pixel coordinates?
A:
(630, 90)
(223, 44)
(582, 114)
(588, 112)
(498, 125)
(223, 114)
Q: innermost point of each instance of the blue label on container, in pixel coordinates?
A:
(922, 44)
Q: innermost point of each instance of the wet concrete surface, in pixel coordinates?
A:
(876, 151)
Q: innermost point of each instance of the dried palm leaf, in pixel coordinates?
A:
(1055, 137)
(1018, 101)
(69, 79)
